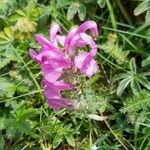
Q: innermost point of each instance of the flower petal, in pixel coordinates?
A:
(92, 68)
(89, 41)
(61, 39)
(69, 37)
(32, 54)
(51, 73)
(42, 40)
(86, 64)
(74, 39)
(91, 25)
(50, 91)
(59, 103)
(53, 97)
(82, 60)
(55, 28)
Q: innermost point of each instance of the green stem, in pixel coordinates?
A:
(124, 12)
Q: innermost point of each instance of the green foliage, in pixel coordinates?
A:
(7, 88)
(112, 48)
(74, 8)
(101, 3)
(19, 121)
(133, 78)
(142, 7)
(146, 62)
(1, 142)
(6, 6)
(7, 55)
(136, 103)
(26, 122)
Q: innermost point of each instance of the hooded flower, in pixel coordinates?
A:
(55, 60)
(53, 96)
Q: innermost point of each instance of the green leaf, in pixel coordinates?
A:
(63, 3)
(72, 10)
(145, 5)
(7, 55)
(147, 17)
(7, 6)
(146, 62)
(70, 139)
(24, 114)
(9, 33)
(22, 88)
(2, 123)
(137, 102)
(14, 126)
(1, 142)
(122, 85)
(57, 140)
(20, 12)
(135, 86)
(132, 65)
(144, 82)
(7, 88)
(35, 13)
(82, 12)
(30, 7)
(101, 3)
(121, 76)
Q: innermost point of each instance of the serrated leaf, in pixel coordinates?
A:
(137, 102)
(14, 126)
(146, 62)
(24, 127)
(70, 139)
(144, 82)
(72, 10)
(145, 5)
(57, 140)
(24, 114)
(122, 85)
(7, 88)
(135, 87)
(7, 55)
(132, 65)
(82, 12)
(101, 3)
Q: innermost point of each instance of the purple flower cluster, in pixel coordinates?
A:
(59, 55)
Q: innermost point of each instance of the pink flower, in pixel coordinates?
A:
(55, 60)
(84, 61)
(53, 96)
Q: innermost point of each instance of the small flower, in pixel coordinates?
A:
(53, 96)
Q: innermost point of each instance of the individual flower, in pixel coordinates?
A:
(58, 56)
(53, 96)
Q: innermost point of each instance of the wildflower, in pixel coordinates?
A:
(58, 55)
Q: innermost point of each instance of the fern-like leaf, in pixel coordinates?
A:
(136, 103)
